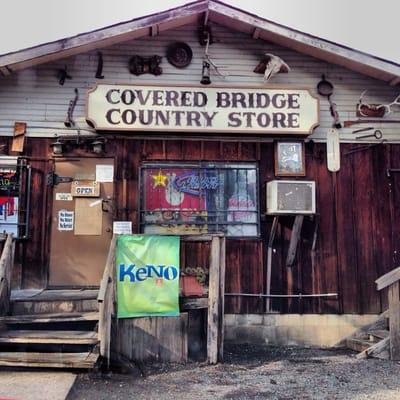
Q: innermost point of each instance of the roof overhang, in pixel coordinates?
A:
(215, 11)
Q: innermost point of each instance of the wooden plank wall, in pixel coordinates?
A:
(358, 237)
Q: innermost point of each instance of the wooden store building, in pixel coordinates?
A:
(215, 125)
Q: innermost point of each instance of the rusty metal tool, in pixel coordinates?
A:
(377, 134)
(363, 148)
(363, 129)
(69, 122)
(370, 121)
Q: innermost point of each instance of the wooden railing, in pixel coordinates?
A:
(391, 281)
(6, 264)
(215, 304)
(106, 300)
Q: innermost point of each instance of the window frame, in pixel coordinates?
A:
(218, 165)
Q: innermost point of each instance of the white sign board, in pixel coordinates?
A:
(122, 227)
(65, 220)
(198, 109)
(104, 173)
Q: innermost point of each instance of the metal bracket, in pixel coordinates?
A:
(53, 179)
(390, 171)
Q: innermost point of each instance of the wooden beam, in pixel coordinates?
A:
(191, 303)
(294, 239)
(5, 71)
(269, 260)
(6, 264)
(376, 350)
(394, 320)
(387, 279)
(222, 263)
(394, 81)
(19, 137)
(213, 302)
(106, 299)
(154, 31)
(256, 33)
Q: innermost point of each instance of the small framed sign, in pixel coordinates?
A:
(289, 158)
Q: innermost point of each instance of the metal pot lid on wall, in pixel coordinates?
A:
(179, 54)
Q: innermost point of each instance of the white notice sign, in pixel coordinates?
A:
(122, 227)
(333, 150)
(64, 196)
(104, 173)
(65, 220)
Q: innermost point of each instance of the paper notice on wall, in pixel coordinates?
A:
(122, 227)
(65, 220)
(104, 173)
(88, 217)
(64, 196)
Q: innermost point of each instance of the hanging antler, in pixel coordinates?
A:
(376, 110)
(210, 61)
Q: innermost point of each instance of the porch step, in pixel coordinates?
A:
(28, 301)
(46, 318)
(359, 345)
(379, 333)
(85, 360)
(49, 337)
(54, 294)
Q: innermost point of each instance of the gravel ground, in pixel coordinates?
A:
(252, 372)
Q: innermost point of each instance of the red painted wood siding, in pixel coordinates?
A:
(358, 237)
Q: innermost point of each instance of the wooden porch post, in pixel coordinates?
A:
(216, 292)
(394, 320)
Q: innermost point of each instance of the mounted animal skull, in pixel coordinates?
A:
(270, 65)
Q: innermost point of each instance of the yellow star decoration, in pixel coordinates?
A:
(159, 179)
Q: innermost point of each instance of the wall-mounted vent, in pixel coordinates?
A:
(291, 197)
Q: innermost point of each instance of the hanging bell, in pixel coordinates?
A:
(205, 79)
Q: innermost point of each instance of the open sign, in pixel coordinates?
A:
(85, 189)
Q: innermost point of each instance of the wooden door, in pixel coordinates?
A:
(78, 249)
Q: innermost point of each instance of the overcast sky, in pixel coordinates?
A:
(368, 25)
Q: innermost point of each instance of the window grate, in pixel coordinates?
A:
(183, 198)
(15, 198)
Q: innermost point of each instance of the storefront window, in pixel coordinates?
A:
(200, 198)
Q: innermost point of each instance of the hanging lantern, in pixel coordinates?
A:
(97, 146)
(57, 147)
(205, 79)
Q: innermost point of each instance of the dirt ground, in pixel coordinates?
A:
(252, 372)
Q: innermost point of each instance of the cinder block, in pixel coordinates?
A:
(293, 329)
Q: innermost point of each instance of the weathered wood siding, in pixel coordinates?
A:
(34, 95)
(358, 237)
(359, 231)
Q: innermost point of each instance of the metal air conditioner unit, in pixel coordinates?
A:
(290, 197)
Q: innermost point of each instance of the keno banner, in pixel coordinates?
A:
(201, 109)
(147, 276)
